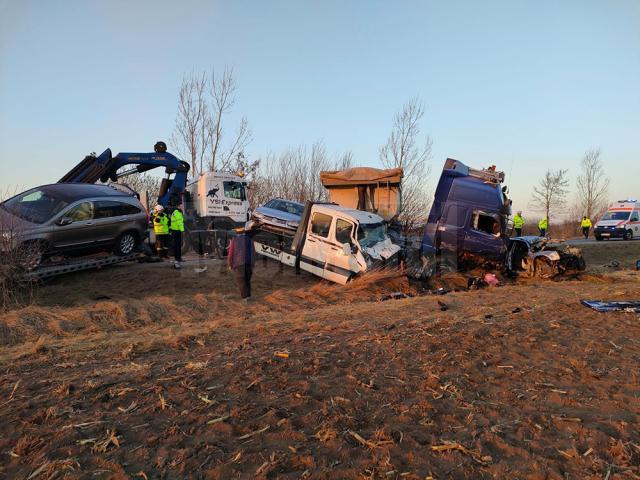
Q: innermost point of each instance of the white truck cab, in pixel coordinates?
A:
(332, 242)
(621, 220)
(220, 196)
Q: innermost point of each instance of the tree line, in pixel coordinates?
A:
(206, 138)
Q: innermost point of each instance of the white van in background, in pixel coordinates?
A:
(622, 220)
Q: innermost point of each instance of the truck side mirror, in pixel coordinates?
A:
(346, 249)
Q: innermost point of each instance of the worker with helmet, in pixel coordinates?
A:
(177, 230)
(518, 223)
(161, 229)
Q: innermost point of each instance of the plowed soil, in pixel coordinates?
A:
(142, 372)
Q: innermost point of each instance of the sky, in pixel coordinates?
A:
(525, 85)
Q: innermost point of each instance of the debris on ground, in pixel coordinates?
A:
(600, 306)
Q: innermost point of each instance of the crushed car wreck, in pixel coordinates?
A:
(537, 257)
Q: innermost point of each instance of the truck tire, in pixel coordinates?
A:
(628, 235)
(126, 244)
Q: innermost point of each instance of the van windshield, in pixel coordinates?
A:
(35, 206)
(371, 233)
(615, 216)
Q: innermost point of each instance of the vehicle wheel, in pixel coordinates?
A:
(30, 256)
(628, 235)
(126, 244)
(598, 238)
(544, 268)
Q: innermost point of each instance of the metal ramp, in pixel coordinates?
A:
(78, 265)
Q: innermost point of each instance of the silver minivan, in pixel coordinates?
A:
(73, 218)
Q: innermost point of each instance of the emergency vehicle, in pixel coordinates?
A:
(622, 220)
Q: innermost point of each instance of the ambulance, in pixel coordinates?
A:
(622, 220)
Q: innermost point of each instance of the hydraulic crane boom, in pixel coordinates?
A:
(105, 167)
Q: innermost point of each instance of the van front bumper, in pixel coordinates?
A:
(610, 232)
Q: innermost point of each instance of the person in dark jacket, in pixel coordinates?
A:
(241, 259)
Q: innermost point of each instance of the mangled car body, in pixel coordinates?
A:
(537, 257)
(467, 227)
(332, 242)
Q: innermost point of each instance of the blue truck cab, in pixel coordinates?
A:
(468, 218)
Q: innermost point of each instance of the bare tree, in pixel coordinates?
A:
(294, 174)
(204, 104)
(404, 150)
(191, 135)
(592, 184)
(551, 192)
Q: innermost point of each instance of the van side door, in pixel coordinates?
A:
(316, 244)
(341, 262)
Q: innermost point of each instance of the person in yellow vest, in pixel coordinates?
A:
(177, 229)
(543, 226)
(518, 223)
(586, 225)
(161, 229)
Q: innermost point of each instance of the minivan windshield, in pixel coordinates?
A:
(371, 233)
(35, 206)
(615, 216)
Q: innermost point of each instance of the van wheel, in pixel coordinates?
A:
(628, 235)
(125, 244)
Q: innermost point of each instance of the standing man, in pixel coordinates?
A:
(586, 225)
(241, 259)
(161, 230)
(518, 223)
(177, 228)
(543, 225)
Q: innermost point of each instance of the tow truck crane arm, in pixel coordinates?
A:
(105, 167)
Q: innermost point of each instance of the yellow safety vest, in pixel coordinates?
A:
(161, 224)
(585, 223)
(177, 220)
(518, 221)
(543, 224)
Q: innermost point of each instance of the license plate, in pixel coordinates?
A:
(605, 234)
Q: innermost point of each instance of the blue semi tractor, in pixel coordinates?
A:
(468, 226)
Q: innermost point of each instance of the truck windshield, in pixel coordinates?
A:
(615, 216)
(35, 206)
(371, 233)
(234, 190)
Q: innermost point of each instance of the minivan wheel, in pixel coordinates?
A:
(126, 244)
(628, 235)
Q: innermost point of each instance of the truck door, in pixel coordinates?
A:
(341, 262)
(483, 236)
(316, 245)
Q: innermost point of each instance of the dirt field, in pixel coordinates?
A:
(139, 372)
